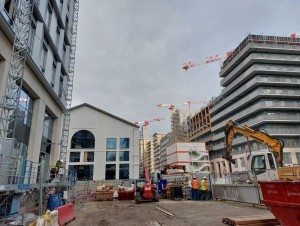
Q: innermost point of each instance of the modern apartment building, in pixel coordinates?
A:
(102, 146)
(157, 150)
(261, 89)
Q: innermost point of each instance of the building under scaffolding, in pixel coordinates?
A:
(37, 56)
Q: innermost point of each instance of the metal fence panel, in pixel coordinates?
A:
(248, 193)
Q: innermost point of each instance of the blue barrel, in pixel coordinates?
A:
(54, 201)
(161, 184)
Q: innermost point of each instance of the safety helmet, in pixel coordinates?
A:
(204, 177)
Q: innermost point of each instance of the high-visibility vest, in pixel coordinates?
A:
(195, 184)
(203, 185)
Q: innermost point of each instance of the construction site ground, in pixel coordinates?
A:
(165, 212)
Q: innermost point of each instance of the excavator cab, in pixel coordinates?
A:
(262, 166)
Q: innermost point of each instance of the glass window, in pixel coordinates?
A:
(43, 57)
(88, 156)
(83, 172)
(124, 155)
(287, 158)
(271, 161)
(258, 164)
(298, 157)
(21, 120)
(83, 139)
(124, 171)
(64, 54)
(110, 172)
(242, 162)
(61, 86)
(31, 37)
(124, 143)
(236, 164)
(111, 143)
(74, 156)
(110, 156)
(48, 15)
(57, 36)
(53, 73)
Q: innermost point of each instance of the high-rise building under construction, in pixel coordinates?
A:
(261, 89)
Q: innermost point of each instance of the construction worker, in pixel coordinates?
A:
(204, 189)
(55, 168)
(195, 189)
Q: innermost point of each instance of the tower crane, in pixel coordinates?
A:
(143, 125)
(171, 106)
(217, 57)
(143, 135)
(206, 60)
(295, 35)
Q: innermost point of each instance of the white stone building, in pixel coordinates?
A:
(102, 146)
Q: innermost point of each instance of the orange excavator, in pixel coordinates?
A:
(266, 165)
(145, 191)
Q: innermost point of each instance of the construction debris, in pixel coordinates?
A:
(104, 187)
(261, 220)
(104, 192)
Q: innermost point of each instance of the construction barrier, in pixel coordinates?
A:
(65, 214)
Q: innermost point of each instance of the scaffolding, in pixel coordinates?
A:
(69, 90)
(24, 183)
(10, 101)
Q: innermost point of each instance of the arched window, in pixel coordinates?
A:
(83, 139)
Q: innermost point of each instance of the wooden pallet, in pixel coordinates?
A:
(255, 220)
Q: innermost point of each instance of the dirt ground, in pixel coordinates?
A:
(189, 213)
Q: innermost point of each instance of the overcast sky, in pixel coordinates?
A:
(130, 52)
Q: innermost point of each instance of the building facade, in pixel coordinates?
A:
(102, 146)
(260, 81)
(190, 157)
(41, 99)
(157, 150)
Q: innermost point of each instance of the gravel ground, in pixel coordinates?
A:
(189, 213)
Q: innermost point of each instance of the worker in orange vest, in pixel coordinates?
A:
(204, 189)
(195, 189)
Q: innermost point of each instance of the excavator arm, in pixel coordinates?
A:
(275, 145)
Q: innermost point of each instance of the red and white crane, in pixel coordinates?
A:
(171, 106)
(206, 60)
(143, 126)
(146, 122)
(217, 57)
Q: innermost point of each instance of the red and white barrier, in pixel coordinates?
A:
(65, 214)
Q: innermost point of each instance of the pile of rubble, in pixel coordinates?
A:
(105, 187)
